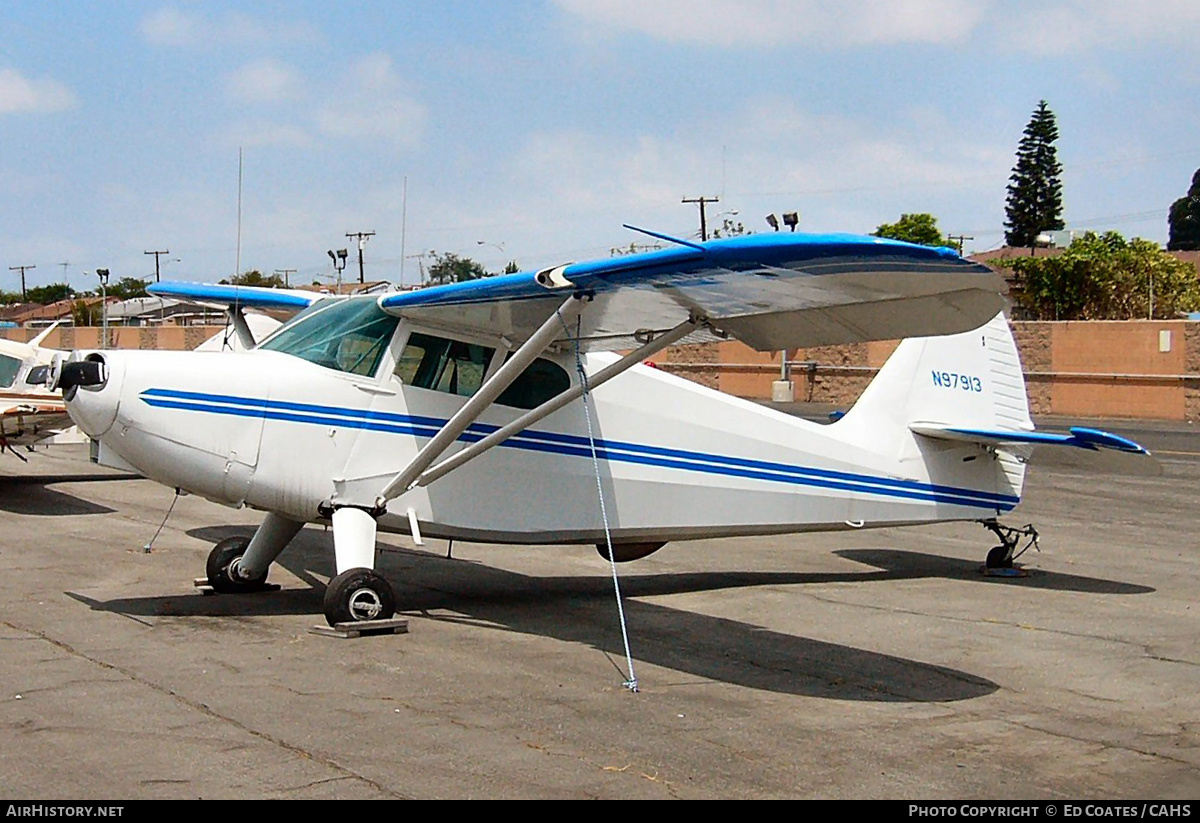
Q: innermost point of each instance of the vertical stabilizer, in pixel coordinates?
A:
(971, 380)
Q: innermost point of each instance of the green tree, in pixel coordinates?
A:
(1035, 188)
(1105, 277)
(84, 313)
(1184, 219)
(127, 287)
(634, 248)
(448, 267)
(45, 295)
(8, 298)
(921, 229)
(730, 228)
(255, 278)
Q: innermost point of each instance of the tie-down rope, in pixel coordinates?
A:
(631, 682)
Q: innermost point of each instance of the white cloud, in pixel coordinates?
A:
(264, 81)
(1037, 26)
(1070, 26)
(172, 27)
(22, 94)
(841, 172)
(259, 133)
(740, 23)
(374, 105)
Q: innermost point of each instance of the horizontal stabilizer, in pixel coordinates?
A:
(1088, 448)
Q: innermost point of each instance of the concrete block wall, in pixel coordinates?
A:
(1137, 369)
(173, 338)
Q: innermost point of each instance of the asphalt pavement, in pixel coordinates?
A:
(865, 664)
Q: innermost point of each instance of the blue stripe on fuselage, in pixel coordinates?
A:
(578, 446)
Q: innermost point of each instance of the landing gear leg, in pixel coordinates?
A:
(240, 564)
(1002, 556)
(358, 593)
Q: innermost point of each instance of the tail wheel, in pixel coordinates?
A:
(357, 595)
(221, 567)
(1000, 557)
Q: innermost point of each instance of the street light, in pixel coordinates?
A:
(339, 265)
(103, 275)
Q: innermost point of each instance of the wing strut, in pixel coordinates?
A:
(558, 401)
(238, 318)
(479, 402)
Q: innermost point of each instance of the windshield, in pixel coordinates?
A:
(9, 366)
(345, 335)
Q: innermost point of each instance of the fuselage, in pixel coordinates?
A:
(281, 429)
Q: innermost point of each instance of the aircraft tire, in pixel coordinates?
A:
(357, 595)
(998, 558)
(217, 567)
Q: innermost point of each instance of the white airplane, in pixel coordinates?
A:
(482, 410)
(29, 411)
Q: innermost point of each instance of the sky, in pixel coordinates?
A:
(531, 131)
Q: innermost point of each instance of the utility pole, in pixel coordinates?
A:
(285, 273)
(22, 270)
(362, 241)
(703, 219)
(156, 254)
(961, 240)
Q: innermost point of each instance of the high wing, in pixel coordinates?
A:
(249, 297)
(1082, 446)
(771, 291)
(234, 299)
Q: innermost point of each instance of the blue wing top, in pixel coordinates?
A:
(251, 297)
(771, 291)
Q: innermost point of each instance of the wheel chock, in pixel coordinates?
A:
(359, 628)
(201, 585)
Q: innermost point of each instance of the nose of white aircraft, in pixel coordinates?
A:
(92, 393)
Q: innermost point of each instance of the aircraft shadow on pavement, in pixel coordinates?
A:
(899, 565)
(581, 609)
(31, 496)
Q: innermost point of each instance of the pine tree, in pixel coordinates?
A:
(1034, 189)
(1184, 220)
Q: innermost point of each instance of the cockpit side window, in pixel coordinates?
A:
(457, 367)
(346, 335)
(9, 367)
(451, 366)
(541, 380)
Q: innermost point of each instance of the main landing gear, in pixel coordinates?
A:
(358, 594)
(1000, 558)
